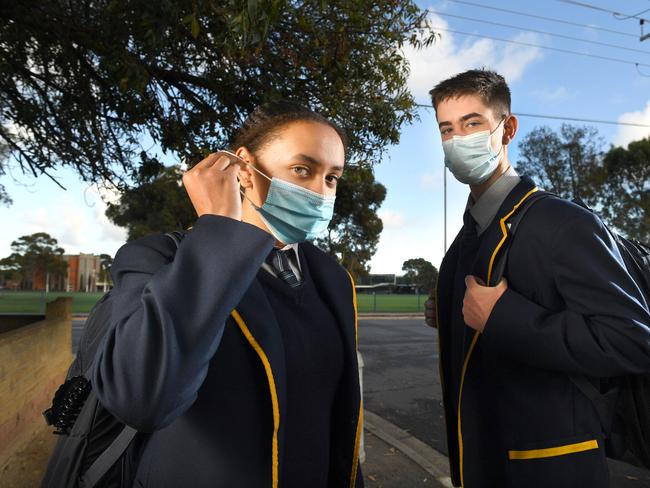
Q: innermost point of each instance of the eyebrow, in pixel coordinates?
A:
(463, 118)
(308, 159)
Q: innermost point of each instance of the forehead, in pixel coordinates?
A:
(452, 109)
(312, 138)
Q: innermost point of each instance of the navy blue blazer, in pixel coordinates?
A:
(195, 357)
(570, 308)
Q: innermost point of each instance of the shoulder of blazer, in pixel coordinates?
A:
(549, 216)
(144, 255)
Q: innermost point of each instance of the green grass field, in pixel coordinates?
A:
(32, 302)
(390, 303)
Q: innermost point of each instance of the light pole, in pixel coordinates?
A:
(444, 232)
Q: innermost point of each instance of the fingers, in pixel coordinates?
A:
(212, 186)
(430, 312)
(233, 159)
(221, 160)
(207, 162)
(471, 282)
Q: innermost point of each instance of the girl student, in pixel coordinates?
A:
(236, 352)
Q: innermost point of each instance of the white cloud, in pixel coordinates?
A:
(391, 219)
(78, 226)
(628, 134)
(448, 56)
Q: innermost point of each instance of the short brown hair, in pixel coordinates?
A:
(489, 85)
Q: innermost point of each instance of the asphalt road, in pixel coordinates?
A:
(402, 385)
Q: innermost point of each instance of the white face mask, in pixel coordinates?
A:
(471, 158)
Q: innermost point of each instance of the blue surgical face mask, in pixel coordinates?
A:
(293, 213)
(471, 158)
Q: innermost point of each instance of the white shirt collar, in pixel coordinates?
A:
(486, 207)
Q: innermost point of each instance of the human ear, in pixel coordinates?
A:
(245, 174)
(510, 126)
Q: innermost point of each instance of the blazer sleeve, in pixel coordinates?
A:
(604, 329)
(168, 317)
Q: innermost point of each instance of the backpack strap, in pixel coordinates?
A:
(107, 458)
(176, 236)
(500, 265)
(603, 403)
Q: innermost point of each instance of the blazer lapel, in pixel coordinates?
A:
(257, 322)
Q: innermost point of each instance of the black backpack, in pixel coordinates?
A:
(95, 449)
(622, 403)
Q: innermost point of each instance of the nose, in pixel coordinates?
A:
(319, 185)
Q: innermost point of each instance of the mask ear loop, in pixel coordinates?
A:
(495, 129)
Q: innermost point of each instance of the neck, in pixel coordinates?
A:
(478, 190)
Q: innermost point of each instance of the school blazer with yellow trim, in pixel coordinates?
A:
(194, 356)
(570, 308)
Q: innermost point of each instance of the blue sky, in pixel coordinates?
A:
(542, 82)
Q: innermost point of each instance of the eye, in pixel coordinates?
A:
(301, 170)
(445, 131)
(474, 123)
(332, 179)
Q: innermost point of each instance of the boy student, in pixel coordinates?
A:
(568, 307)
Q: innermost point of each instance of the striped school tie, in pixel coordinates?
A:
(279, 261)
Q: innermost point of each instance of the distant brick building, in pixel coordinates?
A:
(39, 279)
(83, 272)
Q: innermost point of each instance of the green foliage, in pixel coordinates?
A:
(572, 163)
(84, 83)
(4, 196)
(353, 234)
(624, 189)
(32, 255)
(106, 261)
(564, 162)
(157, 203)
(420, 272)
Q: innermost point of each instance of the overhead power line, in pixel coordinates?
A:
(560, 117)
(590, 121)
(549, 48)
(633, 15)
(541, 17)
(526, 29)
(601, 9)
